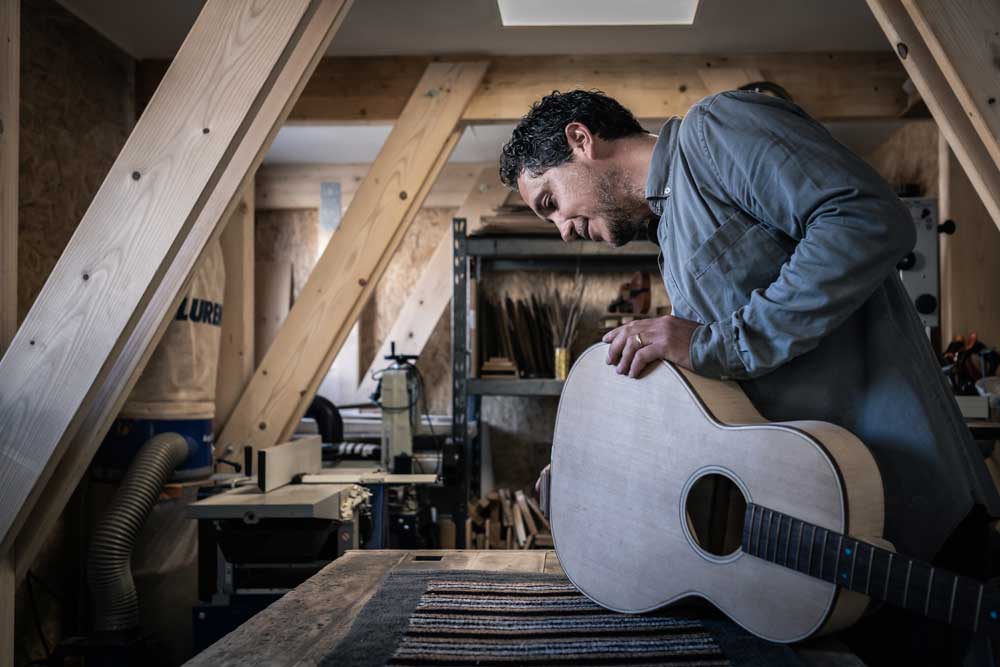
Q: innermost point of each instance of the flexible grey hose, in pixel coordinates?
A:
(109, 566)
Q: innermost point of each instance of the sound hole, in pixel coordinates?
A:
(715, 508)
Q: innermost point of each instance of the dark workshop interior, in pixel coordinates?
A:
(499, 332)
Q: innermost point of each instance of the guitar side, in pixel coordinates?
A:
(625, 455)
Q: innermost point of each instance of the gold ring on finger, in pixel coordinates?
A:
(638, 340)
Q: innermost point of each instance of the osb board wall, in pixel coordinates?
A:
(291, 235)
(392, 291)
(76, 113)
(910, 156)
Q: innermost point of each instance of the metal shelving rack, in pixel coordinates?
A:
(476, 255)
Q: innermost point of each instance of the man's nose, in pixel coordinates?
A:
(566, 229)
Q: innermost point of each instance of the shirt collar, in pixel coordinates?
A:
(659, 166)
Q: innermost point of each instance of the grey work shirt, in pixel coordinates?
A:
(782, 244)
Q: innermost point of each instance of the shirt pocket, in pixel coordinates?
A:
(739, 257)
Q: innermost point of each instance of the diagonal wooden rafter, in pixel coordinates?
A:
(432, 293)
(343, 279)
(944, 101)
(109, 299)
(964, 39)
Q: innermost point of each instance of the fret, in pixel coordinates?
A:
(906, 582)
(812, 541)
(798, 543)
(852, 551)
(767, 532)
(888, 571)
(748, 528)
(785, 542)
(760, 524)
(777, 538)
(930, 586)
(979, 604)
(951, 605)
(871, 559)
(774, 539)
(838, 576)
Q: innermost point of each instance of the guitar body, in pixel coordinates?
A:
(625, 497)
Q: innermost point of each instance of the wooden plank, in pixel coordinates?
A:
(272, 303)
(283, 186)
(236, 352)
(293, 501)
(128, 364)
(432, 292)
(280, 464)
(970, 258)
(346, 274)
(10, 82)
(964, 39)
(941, 101)
(529, 520)
(830, 86)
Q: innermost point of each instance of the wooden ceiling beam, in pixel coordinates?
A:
(830, 86)
(286, 186)
(355, 258)
(107, 303)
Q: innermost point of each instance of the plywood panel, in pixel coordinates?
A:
(830, 86)
(970, 258)
(355, 258)
(272, 302)
(236, 353)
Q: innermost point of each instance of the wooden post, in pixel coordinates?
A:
(343, 279)
(236, 352)
(10, 56)
(952, 117)
(281, 43)
(970, 258)
(432, 293)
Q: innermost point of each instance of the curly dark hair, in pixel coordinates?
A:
(539, 140)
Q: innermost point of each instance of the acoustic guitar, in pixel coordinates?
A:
(673, 485)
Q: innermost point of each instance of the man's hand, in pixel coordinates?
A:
(665, 337)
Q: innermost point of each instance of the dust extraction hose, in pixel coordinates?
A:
(109, 566)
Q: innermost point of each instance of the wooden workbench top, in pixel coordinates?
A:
(304, 626)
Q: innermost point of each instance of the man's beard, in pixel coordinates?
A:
(621, 206)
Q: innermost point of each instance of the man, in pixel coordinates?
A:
(779, 248)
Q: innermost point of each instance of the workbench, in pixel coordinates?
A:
(304, 626)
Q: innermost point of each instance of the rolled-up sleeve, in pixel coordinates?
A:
(786, 170)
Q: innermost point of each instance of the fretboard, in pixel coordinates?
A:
(879, 573)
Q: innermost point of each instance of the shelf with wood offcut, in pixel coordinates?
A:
(539, 253)
(514, 387)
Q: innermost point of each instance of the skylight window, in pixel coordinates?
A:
(597, 12)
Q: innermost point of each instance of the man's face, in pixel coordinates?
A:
(587, 199)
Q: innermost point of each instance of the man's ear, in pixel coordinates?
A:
(580, 139)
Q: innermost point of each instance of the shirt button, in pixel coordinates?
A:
(666, 192)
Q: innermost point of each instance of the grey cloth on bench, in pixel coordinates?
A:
(466, 617)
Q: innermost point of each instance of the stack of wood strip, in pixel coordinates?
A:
(507, 520)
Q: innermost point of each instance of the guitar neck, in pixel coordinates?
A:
(863, 567)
